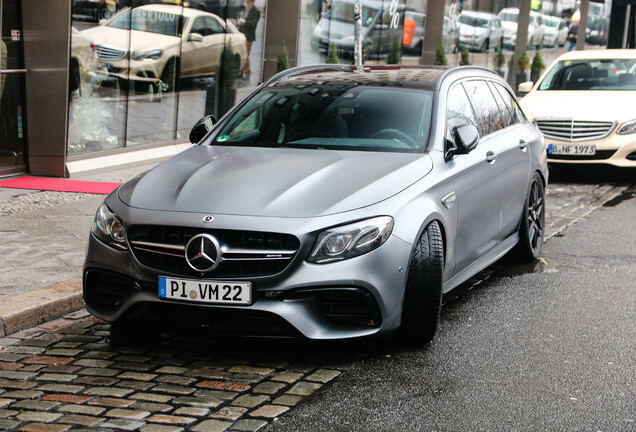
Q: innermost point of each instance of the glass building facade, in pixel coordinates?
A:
(139, 73)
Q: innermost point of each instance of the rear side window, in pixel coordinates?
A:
(506, 110)
(511, 103)
(490, 118)
(459, 111)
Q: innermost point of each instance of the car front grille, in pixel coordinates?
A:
(244, 253)
(109, 53)
(574, 130)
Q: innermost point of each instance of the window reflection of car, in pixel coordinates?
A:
(153, 43)
(84, 65)
(93, 10)
(378, 32)
(556, 31)
(584, 105)
(222, 8)
(536, 27)
(450, 34)
(479, 31)
(270, 227)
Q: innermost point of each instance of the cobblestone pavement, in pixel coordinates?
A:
(70, 374)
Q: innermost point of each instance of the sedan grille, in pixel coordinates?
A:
(574, 130)
(105, 52)
(244, 253)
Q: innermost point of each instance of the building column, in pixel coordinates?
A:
(46, 26)
(282, 23)
(432, 30)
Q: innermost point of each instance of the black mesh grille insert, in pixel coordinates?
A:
(104, 291)
(350, 307)
(166, 253)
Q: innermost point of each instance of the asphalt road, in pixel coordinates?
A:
(552, 349)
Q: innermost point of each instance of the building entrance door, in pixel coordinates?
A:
(12, 74)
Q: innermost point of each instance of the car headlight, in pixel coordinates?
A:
(627, 128)
(351, 240)
(108, 228)
(155, 54)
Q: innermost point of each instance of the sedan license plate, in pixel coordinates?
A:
(205, 291)
(573, 150)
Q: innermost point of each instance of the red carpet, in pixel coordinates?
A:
(60, 185)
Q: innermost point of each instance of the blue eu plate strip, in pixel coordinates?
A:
(162, 286)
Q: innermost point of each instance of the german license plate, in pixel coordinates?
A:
(205, 291)
(574, 150)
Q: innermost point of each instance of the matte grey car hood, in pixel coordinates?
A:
(273, 182)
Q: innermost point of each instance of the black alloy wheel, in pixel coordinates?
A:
(532, 228)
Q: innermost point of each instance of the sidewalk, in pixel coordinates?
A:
(43, 239)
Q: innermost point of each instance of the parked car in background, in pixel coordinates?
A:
(223, 8)
(270, 227)
(450, 34)
(584, 106)
(160, 43)
(378, 32)
(536, 28)
(556, 31)
(479, 31)
(93, 10)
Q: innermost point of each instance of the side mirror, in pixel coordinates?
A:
(525, 87)
(201, 128)
(466, 139)
(195, 37)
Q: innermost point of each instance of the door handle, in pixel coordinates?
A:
(523, 145)
(491, 157)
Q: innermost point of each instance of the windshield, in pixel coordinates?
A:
(343, 12)
(509, 16)
(604, 74)
(149, 20)
(473, 21)
(335, 116)
(551, 22)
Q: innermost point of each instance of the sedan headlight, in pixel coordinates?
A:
(108, 228)
(155, 54)
(351, 240)
(627, 128)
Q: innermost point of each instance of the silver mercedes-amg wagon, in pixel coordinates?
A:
(332, 202)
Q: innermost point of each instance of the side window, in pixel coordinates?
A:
(459, 111)
(490, 119)
(198, 26)
(214, 26)
(506, 111)
(517, 115)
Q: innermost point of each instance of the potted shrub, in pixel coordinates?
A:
(440, 56)
(498, 61)
(332, 55)
(523, 63)
(393, 56)
(536, 67)
(465, 57)
(283, 59)
(226, 75)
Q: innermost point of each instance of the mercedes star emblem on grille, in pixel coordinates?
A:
(202, 252)
(208, 218)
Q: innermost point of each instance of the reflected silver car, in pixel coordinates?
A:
(330, 203)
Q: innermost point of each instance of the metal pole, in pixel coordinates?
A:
(357, 44)
(628, 13)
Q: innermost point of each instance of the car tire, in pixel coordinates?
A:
(484, 47)
(532, 226)
(423, 291)
(170, 75)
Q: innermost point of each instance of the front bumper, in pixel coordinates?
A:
(358, 297)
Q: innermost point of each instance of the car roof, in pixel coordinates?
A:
(174, 9)
(396, 76)
(598, 54)
(478, 14)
